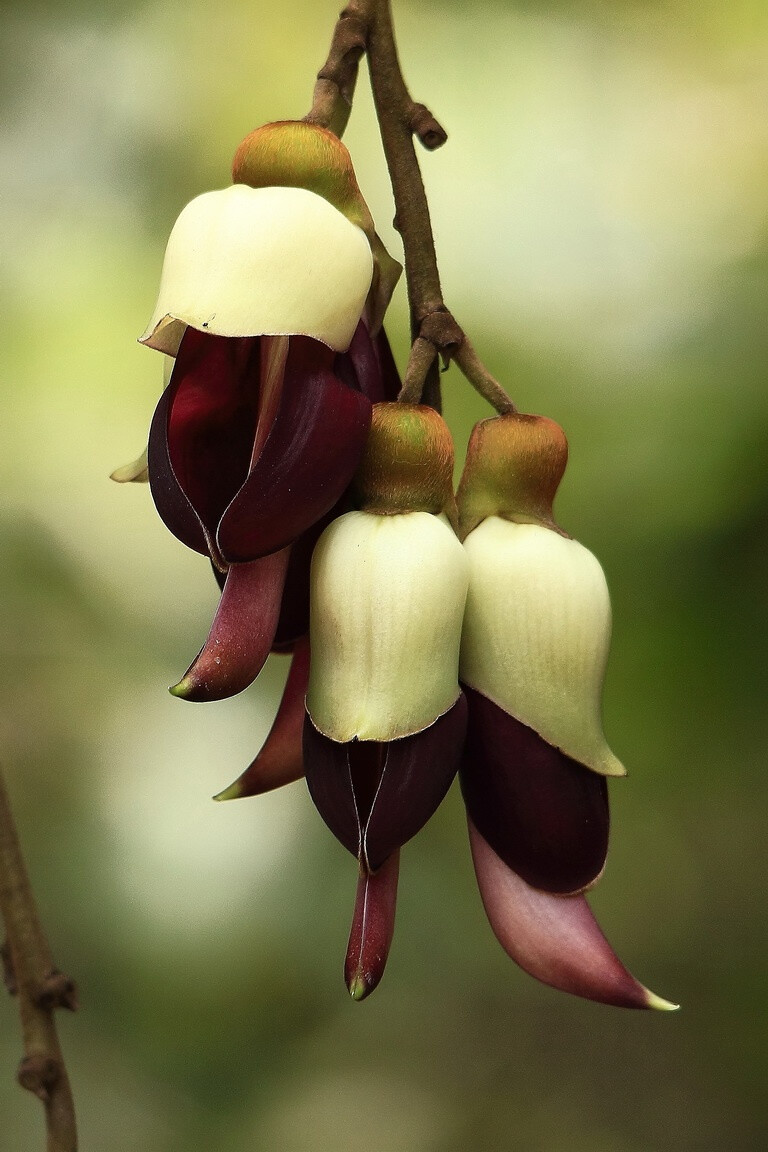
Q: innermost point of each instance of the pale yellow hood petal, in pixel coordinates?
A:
(536, 634)
(262, 261)
(388, 595)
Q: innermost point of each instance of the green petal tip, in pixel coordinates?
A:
(658, 1004)
(231, 793)
(183, 689)
(358, 988)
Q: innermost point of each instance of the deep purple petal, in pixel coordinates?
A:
(375, 797)
(214, 398)
(242, 631)
(369, 366)
(308, 459)
(294, 611)
(417, 774)
(326, 766)
(556, 939)
(373, 926)
(280, 760)
(543, 813)
(174, 508)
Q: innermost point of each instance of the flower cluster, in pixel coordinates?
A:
(431, 634)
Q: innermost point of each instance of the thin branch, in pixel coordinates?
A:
(31, 975)
(336, 80)
(431, 322)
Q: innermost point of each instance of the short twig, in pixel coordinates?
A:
(40, 988)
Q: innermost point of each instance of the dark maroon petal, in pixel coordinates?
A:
(375, 797)
(417, 773)
(294, 611)
(242, 631)
(554, 938)
(543, 813)
(373, 926)
(326, 766)
(174, 508)
(369, 366)
(307, 461)
(214, 394)
(280, 760)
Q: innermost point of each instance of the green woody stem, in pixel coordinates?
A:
(39, 987)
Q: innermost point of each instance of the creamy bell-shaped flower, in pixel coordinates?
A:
(262, 261)
(536, 634)
(386, 607)
(386, 718)
(538, 619)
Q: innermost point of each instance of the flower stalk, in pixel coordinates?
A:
(366, 25)
(39, 988)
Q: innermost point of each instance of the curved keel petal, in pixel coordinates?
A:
(374, 796)
(171, 502)
(556, 939)
(307, 461)
(373, 926)
(242, 631)
(417, 774)
(544, 814)
(280, 761)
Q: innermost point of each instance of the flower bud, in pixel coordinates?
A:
(262, 261)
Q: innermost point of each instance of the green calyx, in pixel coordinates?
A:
(292, 154)
(408, 462)
(515, 463)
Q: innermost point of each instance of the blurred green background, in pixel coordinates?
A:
(601, 215)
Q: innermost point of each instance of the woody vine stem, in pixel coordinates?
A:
(365, 27)
(39, 987)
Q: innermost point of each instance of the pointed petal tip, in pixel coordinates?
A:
(232, 792)
(658, 1003)
(185, 689)
(359, 988)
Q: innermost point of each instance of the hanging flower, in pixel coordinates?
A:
(534, 648)
(385, 714)
(262, 424)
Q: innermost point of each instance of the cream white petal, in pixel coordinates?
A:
(536, 633)
(262, 261)
(388, 596)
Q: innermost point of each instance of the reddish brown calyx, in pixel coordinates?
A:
(407, 465)
(515, 463)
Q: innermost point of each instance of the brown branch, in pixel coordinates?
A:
(31, 976)
(336, 80)
(431, 322)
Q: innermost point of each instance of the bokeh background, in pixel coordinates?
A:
(601, 214)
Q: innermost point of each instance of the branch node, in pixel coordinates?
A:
(57, 991)
(38, 1073)
(423, 124)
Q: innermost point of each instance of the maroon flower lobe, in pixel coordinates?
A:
(242, 632)
(375, 797)
(543, 813)
(280, 760)
(373, 926)
(556, 939)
